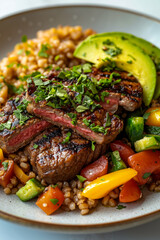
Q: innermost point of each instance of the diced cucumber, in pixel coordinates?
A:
(118, 163)
(152, 130)
(134, 128)
(32, 189)
(146, 143)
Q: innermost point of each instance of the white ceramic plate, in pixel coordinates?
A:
(102, 19)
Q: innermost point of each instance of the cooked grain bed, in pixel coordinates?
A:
(58, 45)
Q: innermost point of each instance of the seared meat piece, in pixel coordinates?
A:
(129, 89)
(74, 105)
(60, 118)
(127, 93)
(56, 161)
(14, 134)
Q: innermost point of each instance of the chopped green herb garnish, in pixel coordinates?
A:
(20, 51)
(44, 136)
(54, 201)
(43, 51)
(93, 145)
(103, 95)
(1, 114)
(120, 207)
(146, 175)
(6, 125)
(81, 108)
(35, 146)
(10, 65)
(49, 67)
(24, 38)
(84, 54)
(113, 51)
(56, 58)
(108, 42)
(27, 52)
(129, 61)
(81, 178)
(5, 165)
(107, 120)
(102, 179)
(54, 186)
(66, 140)
(73, 116)
(82, 189)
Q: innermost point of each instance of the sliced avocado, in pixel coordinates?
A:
(149, 48)
(127, 56)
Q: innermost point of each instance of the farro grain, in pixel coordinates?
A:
(105, 200)
(72, 206)
(7, 190)
(83, 206)
(84, 211)
(112, 202)
(14, 190)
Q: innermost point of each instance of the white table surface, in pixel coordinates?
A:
(11, 231)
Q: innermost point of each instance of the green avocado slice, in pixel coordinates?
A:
(127, 56)
(149, 48)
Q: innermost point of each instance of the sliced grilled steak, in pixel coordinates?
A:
(127, 93)
(56, 161)
(76, 105)
(16, 133)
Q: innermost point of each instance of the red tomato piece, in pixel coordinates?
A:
(95, 169)
(145, 163)
(130, 192)
(6, 172)
(50, 200)
(124, 150)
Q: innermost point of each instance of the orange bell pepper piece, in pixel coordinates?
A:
(50, 200)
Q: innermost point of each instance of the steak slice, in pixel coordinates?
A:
(127, 93)
(14, 134)
(56, 161)
(128, 89)
(98, 118)
(76, 105)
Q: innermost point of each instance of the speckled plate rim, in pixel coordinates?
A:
(79, 228)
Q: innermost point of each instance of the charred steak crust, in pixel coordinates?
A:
(56, 161)
(14, 135)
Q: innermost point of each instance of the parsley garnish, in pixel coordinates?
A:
(20, 52)
(129, 61)
(81, 108)
(103, 95)
(6, 125)
(27, 52)
(5, 165)
(108, 120)
(81, 178)
(146, 175)
(68, 135)
(43, 51)
(113, 51)
(73, 116)
(93, 145)
(35, 146)
(24, 38)
(120, 207)
(44, 136)
(10, 65)
(56, 58)
(54, 201)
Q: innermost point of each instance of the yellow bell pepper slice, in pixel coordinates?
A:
(20, 174)
(154, 117)
(101, 186)
(1, 155)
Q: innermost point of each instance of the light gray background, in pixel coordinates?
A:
(10, 231)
